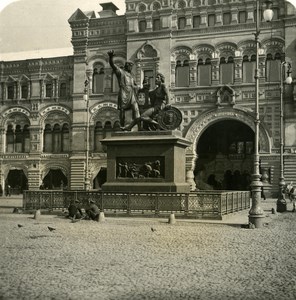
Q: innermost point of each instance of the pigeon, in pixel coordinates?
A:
(51, 228)
(153, 229)
(20, 225)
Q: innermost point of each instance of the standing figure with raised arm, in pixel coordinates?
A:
(128, 92)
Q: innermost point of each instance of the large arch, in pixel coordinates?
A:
(207, 119)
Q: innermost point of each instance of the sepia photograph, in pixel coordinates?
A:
(147, 149)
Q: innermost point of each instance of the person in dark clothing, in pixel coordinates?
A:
(93, 211)
(75, 211)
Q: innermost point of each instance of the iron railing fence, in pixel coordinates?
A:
(201, 204)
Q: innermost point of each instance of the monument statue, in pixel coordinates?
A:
(128, 91)
(160, 116)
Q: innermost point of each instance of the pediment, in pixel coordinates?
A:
(24, 78)
(11, 79)
(48, 77)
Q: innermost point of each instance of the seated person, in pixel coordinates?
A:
(75, 211)
(92, 211)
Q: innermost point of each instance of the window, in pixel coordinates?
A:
(10, 92)
(275, 13)
(196, 21)
(150, 75)
(211, 20)
(63, 89)
(242, 17)
(18, 139)
(24, 91)
(249, 69)
(182, 74)
(142, 26)
(226, 18)
(181, 23)
(99, 135)
(56, 138)
(273, 67)
(48, 90)
(9, 139)
(204, 72)
(156, 24)
(65, 138)
(98, 80)
(226, 70)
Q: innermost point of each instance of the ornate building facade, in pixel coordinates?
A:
(206, 51)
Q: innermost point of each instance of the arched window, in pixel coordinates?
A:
(65, 138)
(99, 135)
(107, 129)
(18, 139)
(273, 66)
(26, 140)
(56, 139)
(47, 139)
(249, 67)
(182, 74)
(226, 70)
(9, 139)
(204, 72)
(98, 80)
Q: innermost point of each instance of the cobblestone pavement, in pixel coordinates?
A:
(123, 258)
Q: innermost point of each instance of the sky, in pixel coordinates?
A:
(29, 27)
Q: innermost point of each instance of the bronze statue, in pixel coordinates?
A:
(128, 92)
(160, 116)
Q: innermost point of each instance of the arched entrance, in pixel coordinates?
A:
(225, 156)
(17, 181)
(55, 180)
(218, 116)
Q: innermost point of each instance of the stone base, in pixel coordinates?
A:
(146, 187)
(257, 220)
(146, 162)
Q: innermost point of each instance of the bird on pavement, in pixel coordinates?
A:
(51, 228)
(153, 229)
(20, 225)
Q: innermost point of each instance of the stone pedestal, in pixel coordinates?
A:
(146, 162)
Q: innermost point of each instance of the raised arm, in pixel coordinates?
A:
(111, 62)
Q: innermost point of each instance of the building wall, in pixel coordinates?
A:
(159, 36)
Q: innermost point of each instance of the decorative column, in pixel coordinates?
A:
(238, 68)
(215, 71)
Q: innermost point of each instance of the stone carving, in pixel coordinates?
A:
(140, 168)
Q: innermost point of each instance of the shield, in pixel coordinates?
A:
(169, 118)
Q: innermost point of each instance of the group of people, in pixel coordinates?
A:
(92, 211)
(128, 95)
